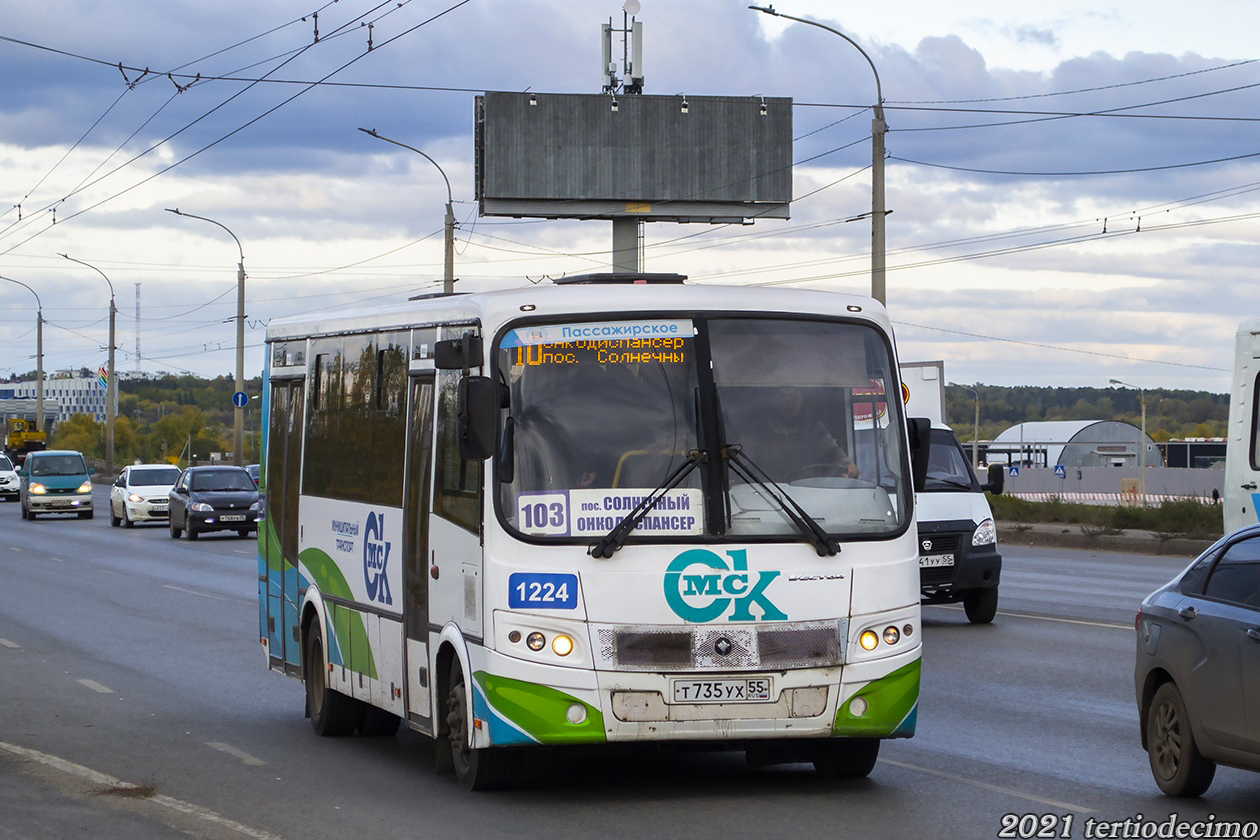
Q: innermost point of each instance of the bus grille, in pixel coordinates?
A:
(797, 645)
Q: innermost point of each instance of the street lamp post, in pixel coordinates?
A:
(111, 381)
(238, 426)
(39, 355)
(879, 128)
(975, 437)
(448, 275)
(1142, 445)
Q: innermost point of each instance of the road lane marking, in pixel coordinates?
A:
(1048, 618)
(116, 785)
(1040, 800)
(193, 592)
(233, 751)
(8, 644)
(95, 686)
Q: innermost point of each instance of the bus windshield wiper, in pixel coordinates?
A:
(614, 539)
(825, 544)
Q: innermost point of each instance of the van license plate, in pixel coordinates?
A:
(928, 561)
(755, 690)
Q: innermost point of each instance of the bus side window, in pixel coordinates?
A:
(457, 490)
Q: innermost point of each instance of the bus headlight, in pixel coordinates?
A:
(868, 640)
(891, 635)
(535, 641)
(986, 533)
(562, 645)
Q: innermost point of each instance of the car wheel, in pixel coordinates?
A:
(243, 533)
(128, 522)
(852, 758)
(1176, 763)
(174, 531)
(114, 521)
(23, 511)
(981, 605)
(86, 514)
(332, 713)
(30, 515)
(482, 769)
(193, 533)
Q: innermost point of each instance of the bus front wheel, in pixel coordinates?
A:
(850, 758)
(476, 769)
(331, 712)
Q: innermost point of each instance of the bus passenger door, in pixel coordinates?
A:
(279, 535)
(416, 551)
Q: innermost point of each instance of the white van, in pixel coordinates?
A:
(959, 560)
(1242, 458)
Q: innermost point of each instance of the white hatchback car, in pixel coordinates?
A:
(8, 479)
(141, 494)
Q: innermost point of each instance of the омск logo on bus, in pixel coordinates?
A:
(701, 586)
(376, 559)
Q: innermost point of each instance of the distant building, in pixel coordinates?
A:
(1195, 453)
(1073, 443)
(74, 395)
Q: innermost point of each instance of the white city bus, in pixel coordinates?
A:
(617, 509)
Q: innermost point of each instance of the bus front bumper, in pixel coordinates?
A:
(543, 704)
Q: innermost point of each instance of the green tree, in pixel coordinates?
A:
(81, 433)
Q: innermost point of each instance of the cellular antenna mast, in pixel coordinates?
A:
(631, 53)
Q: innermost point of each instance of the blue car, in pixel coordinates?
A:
(55, 481)
(1198, 667)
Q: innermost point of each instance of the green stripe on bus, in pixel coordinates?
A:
(542, 711)
(351, 633)
(890, 700)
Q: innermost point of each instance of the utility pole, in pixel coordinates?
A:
(111, 378)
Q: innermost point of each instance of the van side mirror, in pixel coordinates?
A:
(997, 479)
(478, 408)
(920, 446)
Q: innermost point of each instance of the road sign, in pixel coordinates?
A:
(240, 399)
(1014, 471)
(1060, 471)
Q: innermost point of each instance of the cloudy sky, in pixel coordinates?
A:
(1072, 186)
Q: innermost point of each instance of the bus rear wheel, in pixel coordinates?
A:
(332, 713)
(852, 758)
(476, 769)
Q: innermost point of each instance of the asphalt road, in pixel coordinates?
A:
(135, 703)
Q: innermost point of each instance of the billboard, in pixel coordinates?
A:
(658, 158)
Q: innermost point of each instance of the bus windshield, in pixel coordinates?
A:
(742, 427)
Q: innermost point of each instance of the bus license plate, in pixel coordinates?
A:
(928, 561)
(235, 517)
(755, 690)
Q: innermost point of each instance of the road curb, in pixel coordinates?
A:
(1069, 535)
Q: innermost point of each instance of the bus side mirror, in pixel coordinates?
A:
(478, 407)
(458, 353)
(997, 479)
(920, 444)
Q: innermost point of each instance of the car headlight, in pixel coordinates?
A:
(201, 507)
(37, 489)
(85, 487)
(133, 498)
(256, 506)
(986, 533)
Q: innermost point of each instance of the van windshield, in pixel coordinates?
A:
(948, 467)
